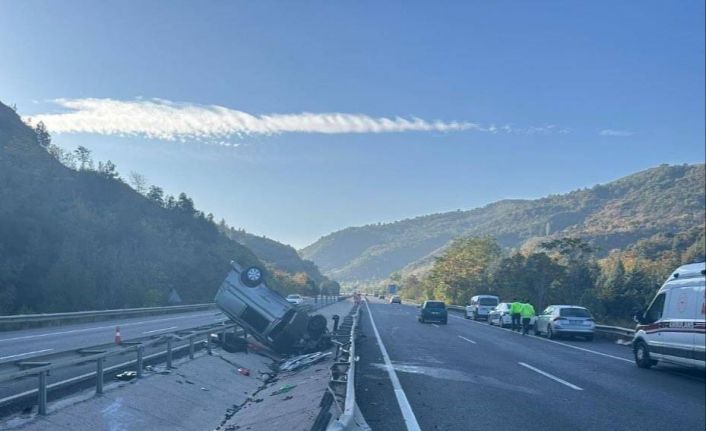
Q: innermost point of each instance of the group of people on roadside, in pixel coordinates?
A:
(522, 314)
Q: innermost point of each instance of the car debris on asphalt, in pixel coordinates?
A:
(303, 361)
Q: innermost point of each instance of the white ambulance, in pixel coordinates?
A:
(673, 328)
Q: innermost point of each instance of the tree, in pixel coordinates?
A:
(43, 136)
(83, 155)
(156, 195)
(66, 158)
(108, 170)
(138, 182)
(185, 204)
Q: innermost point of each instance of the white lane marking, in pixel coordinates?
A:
(158, 330)
(434, 324)
(555, 378)
(407, 413)
(583, 349)
(24, 354)
(96, 328)
(464, 338)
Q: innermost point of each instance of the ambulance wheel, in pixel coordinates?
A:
(642, 355)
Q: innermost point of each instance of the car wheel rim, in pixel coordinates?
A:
(640, 353)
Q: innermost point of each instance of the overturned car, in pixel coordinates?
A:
(268, 316)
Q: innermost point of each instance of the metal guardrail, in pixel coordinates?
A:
(343, 375)
(42, 369)
(616, 331)
(29, 319)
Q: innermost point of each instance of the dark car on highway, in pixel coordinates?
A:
(433, 311)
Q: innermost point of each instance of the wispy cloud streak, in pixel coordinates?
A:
(612, 132)
(163, 119)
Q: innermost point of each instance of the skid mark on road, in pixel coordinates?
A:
(457, 376)
(402, 401)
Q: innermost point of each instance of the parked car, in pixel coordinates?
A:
(381, 296)
(480, 306)
(572, 320)
(673, 328)
(433, 311)
(295, 299)
(395, 299)
(500, 315)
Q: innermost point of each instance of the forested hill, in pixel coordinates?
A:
(78, 239)
(665, 199)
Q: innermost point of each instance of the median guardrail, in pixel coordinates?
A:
(98, 354)
(47, 319)
(342, 384)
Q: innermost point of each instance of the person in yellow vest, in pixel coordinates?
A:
(527, 312)
(515, 314)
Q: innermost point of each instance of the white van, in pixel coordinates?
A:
(673, 328)
(480, 306)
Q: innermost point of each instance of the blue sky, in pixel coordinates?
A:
(412, 107)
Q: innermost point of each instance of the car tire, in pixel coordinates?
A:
(589, 337)
(466, 315)
(421, 319)
(550, 332)
(445, 322)
(490, 321)
(252, 276)
(536, 330)
(642, 355)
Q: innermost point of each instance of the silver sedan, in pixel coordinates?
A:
(572, 320)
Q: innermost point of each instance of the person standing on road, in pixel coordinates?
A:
(527, 313)
(515, 313)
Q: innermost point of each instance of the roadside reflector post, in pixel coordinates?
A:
(191, 347)
(42, 401)
(169, 352)
(223, 337)
(99, 376)
(140, 354)
(208, 343)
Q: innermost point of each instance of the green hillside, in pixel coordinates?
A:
(661, 200)
(77, 239)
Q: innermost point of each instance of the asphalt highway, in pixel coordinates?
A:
(28, 343)
(471, 376)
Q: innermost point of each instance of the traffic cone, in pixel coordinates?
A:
(118, 338)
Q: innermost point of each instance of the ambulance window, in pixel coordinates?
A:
(654, 313)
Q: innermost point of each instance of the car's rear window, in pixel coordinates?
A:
(435, 304)
(574, 312)
(488, 301)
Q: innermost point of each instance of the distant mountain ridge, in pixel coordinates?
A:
(664, 199)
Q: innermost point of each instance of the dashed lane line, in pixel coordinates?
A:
(467, 339)
(583, 349)
(550, 376)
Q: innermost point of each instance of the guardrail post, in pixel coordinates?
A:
(191, 347)
(99, 376)
(140, 354)
(169, 352)
(42, 401)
